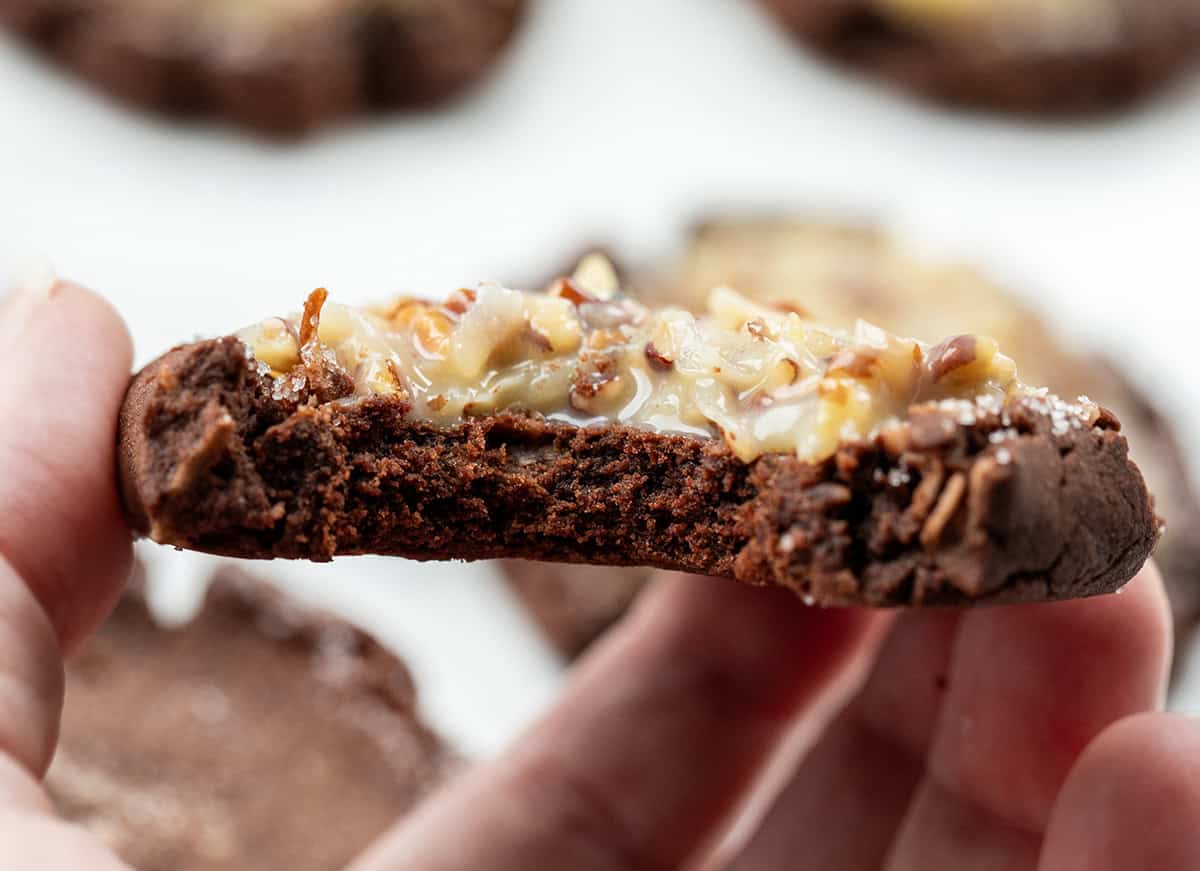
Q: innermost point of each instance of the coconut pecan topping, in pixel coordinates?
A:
(764, 380)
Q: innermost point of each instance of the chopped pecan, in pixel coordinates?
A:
(757, 327)
(569, 290)
(951, 354)
(310, 321)
(658, 360)
(943, 511)
(595, 384)
(459, 301)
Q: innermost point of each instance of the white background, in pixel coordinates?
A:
(617, 122)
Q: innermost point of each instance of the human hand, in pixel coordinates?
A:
(981, 738)
(1006, 738)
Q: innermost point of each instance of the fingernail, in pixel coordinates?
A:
(36, 280)
(35, 283)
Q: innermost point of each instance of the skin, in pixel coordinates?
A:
(1009, 738)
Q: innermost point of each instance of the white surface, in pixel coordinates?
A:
(610, 121)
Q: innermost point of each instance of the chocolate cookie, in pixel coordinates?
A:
(853, 468)
(257, 735)
(840, 272)
(1026, 56)
(573, 605)
(278, 67)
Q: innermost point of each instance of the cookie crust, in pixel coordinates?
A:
(948, 514)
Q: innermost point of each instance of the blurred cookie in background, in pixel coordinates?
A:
(835, 274)
(281, 67)
(257, 735)
(1038, 57)
(574, 605)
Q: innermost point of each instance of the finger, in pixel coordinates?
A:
(31, 678)
(1132, 802)
(1030, 686)
(844, 803)
(987, 668)
(656, 736)
(63, 551)
(35, 841)
(65, 356)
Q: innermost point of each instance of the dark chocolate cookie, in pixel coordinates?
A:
(1030, 499)
(278, 67)
(839, 272)
(257, 735)
(1038, 57)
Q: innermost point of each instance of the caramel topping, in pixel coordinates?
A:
(1046, 24)
(763, 379)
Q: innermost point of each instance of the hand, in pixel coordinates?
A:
(1009, 738)
(994, 738)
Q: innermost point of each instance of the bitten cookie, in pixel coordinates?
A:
(1039, 57)
(852, 467)
(281, 68)
(839, 272)
(836, 273)
(259, 734)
